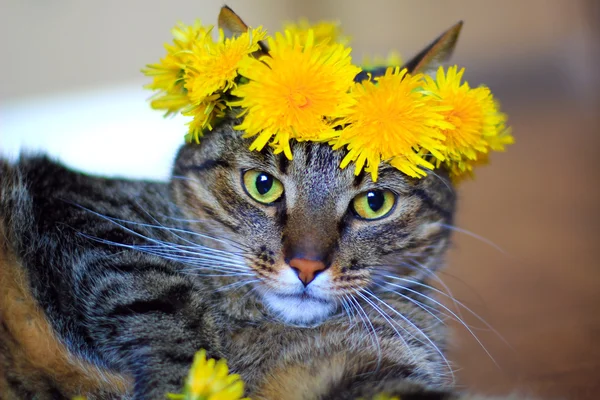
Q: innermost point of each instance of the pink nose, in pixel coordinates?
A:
(306, 269)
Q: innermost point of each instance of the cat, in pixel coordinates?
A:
(108, 287)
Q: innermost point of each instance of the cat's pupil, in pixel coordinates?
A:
(375, 199)
(264, 183)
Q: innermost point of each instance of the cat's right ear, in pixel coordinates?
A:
(437, 53)
(232, 25)
(428, 60)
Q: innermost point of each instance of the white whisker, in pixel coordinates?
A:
(423, 306)
(441, 282)
(473, 235)
(408, 321)
(451, 312)
(391, 323)
(236, 285)
(458, 303)
(372, 333)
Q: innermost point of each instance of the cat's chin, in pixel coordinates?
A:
(300, 309)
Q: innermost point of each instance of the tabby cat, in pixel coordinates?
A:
(306, 278)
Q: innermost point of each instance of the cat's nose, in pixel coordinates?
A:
(307, 270)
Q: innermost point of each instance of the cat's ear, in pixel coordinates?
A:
(438, 52)
(232, 25)
(428, 60)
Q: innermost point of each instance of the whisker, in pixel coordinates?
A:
(473, 235)
(119, 222)
(430, 273)
(444, 181)
(419, 304)
(236, 285)
(183, 178)
(434, 346)
(391, 323)
(199, 257)
(372, 333)
(440, 281)
(215, 275)
(461, 304)
(171, 230)
(452, 313)
(348, 312)
(237, 245)
(169, 246)
(195, 263)
(209, 258)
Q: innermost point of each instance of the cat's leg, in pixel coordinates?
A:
(148, 322)
(346, 376)
(400, 354)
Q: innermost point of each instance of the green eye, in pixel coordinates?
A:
(374, 204)
(261, 186)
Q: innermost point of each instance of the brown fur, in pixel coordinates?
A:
(31, 352)
(307, 380)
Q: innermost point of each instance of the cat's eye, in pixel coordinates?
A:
(374, 204)
(261, 186)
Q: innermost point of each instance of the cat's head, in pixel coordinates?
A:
(310, 234)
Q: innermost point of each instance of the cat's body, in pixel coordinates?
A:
(131, 321)
(109, 287)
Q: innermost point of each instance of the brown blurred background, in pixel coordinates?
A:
(538, 202)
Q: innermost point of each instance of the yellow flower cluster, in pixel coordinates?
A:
(303, 88)
(210, 380)
(197, 72)
(324, 31)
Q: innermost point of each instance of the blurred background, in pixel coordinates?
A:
(70, 85)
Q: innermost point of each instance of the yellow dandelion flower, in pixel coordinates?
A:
(469, 112)
(502, 138)
(476, 125)
(214, 65)
(461, 169)
(170, 102)
(296, 92)
(169, 74)
(210, 380)
(392, 121)
(323, 31)
(204, 115)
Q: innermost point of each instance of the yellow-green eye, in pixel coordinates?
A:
(261, 186)
(374, 204)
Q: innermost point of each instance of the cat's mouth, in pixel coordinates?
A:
(304, 296)
(302, 308)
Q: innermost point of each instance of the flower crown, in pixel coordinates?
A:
(301, 84)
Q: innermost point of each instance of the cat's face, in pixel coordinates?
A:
(311, 234)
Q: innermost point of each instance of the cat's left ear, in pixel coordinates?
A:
(232, 25)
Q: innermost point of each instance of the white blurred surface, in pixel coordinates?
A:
(110, 131)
